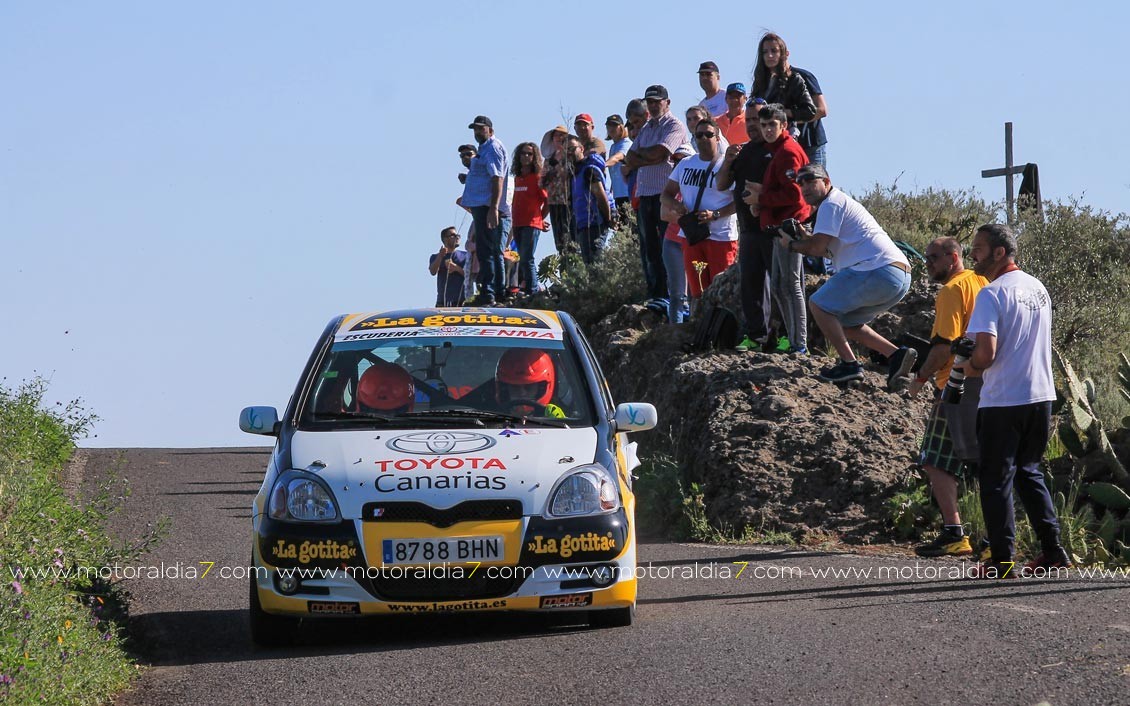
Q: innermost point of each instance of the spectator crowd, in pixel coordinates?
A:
(744, 179)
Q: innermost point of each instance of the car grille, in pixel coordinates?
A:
(411, 588)
(471, 510)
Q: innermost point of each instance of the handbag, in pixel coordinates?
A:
(695, 230)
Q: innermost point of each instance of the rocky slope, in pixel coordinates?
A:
(771, 446)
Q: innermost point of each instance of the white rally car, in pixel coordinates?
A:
(442, 460)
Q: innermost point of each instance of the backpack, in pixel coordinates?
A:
(911, 253)
(717, 329)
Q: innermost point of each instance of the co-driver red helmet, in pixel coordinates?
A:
(525, 366)
(386, 387)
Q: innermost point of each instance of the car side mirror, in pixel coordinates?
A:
(635, 416)
(259, 420)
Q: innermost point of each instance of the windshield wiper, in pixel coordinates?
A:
(455, 416)
(482, 415)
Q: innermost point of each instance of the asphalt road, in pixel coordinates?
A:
(769, 636)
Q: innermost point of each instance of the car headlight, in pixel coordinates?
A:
(586, 490)
(297, 497)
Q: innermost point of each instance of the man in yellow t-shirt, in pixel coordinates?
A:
(950, 440)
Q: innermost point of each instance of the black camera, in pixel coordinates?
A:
(792, 228)
(962, 350)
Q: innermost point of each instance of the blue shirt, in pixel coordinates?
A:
(620, 188)
(489, 163)
(811, 134)
(586, 211)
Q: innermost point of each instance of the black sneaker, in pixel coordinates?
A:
(842, 371)
(898, 372)
(945, 544)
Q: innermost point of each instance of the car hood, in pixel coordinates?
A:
(442, 468)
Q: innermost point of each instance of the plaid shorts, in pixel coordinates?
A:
(937, 446)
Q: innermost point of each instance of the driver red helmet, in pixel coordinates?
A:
(386, 387)
(524, 366)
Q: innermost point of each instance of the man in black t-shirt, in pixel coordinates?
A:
(746, 164)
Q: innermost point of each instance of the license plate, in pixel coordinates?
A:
(448, 549)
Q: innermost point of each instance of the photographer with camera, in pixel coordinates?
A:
(1011, 325)
(949, 442)
(872, 275)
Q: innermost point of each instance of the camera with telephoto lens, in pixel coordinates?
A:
(792, 228)
(962, 350)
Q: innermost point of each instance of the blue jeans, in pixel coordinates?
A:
(526, 238)
(855, 298)
(593, 240)
(651, 240)
(488, 248)
(818, 155)
(676, 279)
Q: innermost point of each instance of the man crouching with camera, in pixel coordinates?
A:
(949, 444)
(1011, 324)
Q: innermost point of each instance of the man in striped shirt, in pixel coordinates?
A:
(650, 156)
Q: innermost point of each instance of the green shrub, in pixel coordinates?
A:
(921, 216)
(1083, 257)
(592, 292)
(60, 635)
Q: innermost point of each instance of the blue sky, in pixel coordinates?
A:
(190, 191)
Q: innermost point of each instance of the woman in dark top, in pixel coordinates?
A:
(776, 82)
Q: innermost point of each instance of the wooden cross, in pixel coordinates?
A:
(1007, 172)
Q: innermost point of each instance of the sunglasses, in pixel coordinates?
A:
(930, 257)
(704, 135)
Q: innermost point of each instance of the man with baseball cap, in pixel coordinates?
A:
(732, 122)
(650, 156)
(708, 79)
(585, 129)
(484, 193)
(617, 134)
(872, 275)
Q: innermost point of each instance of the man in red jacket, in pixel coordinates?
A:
(777, 199)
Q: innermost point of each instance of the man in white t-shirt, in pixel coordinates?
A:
(695, 178)
(872, 275)
(1011, 325)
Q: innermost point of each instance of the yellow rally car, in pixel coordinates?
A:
(442, 460)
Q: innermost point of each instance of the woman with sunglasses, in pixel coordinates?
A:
(530, 208)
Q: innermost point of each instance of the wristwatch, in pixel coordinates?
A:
(713, 215)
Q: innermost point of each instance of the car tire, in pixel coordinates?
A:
(612, 618)
(269, 630)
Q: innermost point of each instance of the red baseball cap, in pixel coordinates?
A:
(584, 118)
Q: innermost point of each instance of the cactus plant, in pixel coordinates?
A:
(1086, 433)
(1108, 495)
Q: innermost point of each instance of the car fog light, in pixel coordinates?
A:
(287, 583)
(602, 575)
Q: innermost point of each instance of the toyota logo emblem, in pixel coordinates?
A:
(440, 443)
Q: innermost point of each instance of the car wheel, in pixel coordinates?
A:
(269, 630)
(612, 618)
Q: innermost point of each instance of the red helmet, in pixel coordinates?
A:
(525, 366)
(386, 387)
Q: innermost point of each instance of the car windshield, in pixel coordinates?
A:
(405, 382)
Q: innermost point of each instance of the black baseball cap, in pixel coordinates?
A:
(708, 66)
(614, 120)
(468, 148)
(656, 91)
(481, 120)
